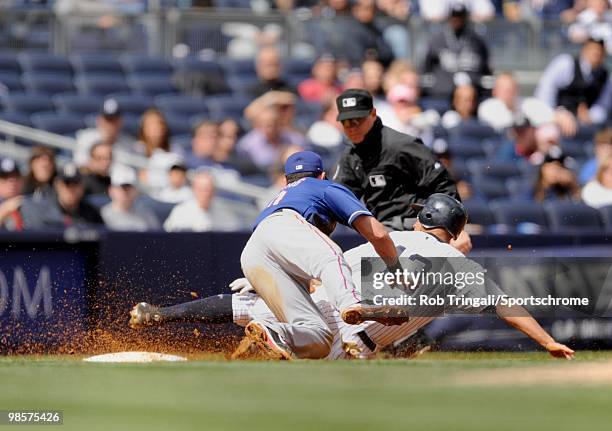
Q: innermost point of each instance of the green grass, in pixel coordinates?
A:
(303, 395)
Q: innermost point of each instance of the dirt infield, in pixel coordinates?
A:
(558, 374)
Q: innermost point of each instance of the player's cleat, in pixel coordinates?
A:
(413, 346)
(387, 315)
(143, 314)
(268, 342)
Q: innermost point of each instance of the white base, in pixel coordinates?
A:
(138, 357)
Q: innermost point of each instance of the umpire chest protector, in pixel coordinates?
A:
(391, 170)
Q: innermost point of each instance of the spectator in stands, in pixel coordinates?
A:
(464, 106)
(121, 214)
(96, 174)
(64, 208)
(354, 79)
(400, 109)
(572, 86)
(547, 139)
(498, 111)
(108, 130)
(440, 10)
(269, 73)
(323, 85)
(394, 15)
(556, 180)
(593, 22)
(361, 36)
(153, 133)
(268, 138)
(11, 188)
(203, 212)
(178, 189)
(39, 181)
(373, 73)
(598, 192)
(602, 149)
(203, 144)
(225, 154)
(457, 55)
(326, 133)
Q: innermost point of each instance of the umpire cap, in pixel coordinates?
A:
(440, 210)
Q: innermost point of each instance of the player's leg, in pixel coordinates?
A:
(211, 310)
(298, 322)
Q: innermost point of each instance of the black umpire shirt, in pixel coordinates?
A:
(391, 170)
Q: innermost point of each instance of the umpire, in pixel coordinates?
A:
(388, 169)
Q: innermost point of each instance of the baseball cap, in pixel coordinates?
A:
(123, 176)
(110, 108)
(69, 173)
(458, 10)
(8, 167)
(303, 161)
(354, 103)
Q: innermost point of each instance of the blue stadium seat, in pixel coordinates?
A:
(513, 213)
(47, 84)
(437, 104)
(297, 68)
(572, 216)
(137, 65)
(160, 209)
(11, 82)
(45, 63)
(27, 103)
(466, 148)
(519, 187)
(133, 104)
(606, 216)
(151, 85)
(16, 117)
(490, 188)
(77, 104)
(101, 85)
(227, 107)
(179, 125)
(96, 64)
(182, 105)
(199, 65)
(479, 213)
(131, 124)
(243, 68)
(488, 169)
(474, 129)
(62, 124)
(241, 84)
(9, 63)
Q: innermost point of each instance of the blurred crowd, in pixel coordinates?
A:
(559, 136)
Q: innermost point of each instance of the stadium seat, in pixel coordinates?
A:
(139, 66)
(160, 209)
(181, 105)
(197, 76)
(199, 65)
(513, 213)
(606, 217)
(488, 169)
(101, 85)
(490, 188)
(242, 68)
(241, 84)
(62, 124)
(96, 64)
(133, 104)
(179, 125)
(297, 68)
(9, 63)
(519, 187)
(437, 104)
(27, 103)
(474, 129)
(226, 107)
(43, 62)
(568, 215)
(10, 82)
(47, 84)
(16, 117)
(77, 104)
(151, 85)
(479, 213)
(466, 148)
(131, 124)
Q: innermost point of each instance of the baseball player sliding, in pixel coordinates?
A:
(440, 219)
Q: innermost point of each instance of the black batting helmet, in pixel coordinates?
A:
(440, 210)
